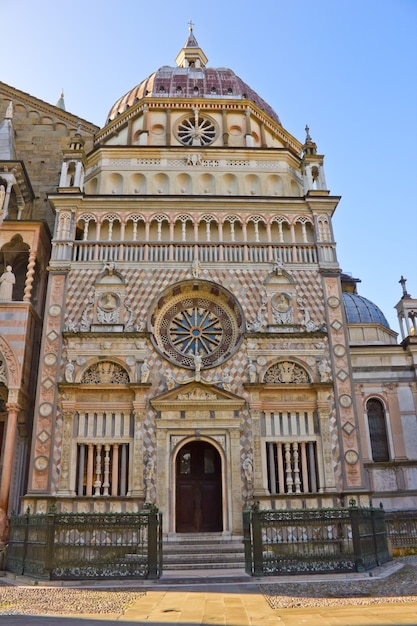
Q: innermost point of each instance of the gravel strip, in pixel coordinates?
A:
(54, 601)
(401, 586)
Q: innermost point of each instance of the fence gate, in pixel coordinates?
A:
(61, 546)
(314, 540)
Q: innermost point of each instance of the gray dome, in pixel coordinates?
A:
(359, 310)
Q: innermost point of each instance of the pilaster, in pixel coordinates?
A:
(39, 481)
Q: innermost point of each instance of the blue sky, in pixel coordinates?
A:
(348, 68)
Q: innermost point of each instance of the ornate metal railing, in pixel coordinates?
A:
(402, 530)
(314, 540)
(61, 546)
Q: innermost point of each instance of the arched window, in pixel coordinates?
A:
(377, 430)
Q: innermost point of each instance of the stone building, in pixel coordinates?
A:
(200, 348)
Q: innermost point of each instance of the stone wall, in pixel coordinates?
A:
(42, 132)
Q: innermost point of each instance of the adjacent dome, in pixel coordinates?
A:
(191, 79)
(360, 310)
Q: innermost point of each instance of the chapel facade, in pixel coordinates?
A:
(190, 339)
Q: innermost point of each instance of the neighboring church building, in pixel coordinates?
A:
(201, 348)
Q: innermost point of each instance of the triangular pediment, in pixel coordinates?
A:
(195, 395)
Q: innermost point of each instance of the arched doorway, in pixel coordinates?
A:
(198, 488)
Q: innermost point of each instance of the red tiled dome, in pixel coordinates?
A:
(191, 82)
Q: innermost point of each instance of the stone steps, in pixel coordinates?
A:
(203, 554)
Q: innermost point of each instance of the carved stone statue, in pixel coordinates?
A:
(148, 480)
(248, 472)
(259, 320)
(198, 359)
(252, 372)
(196, 268)
(69, 371)
(7, 280)
(324, 370)
(227, 382)
(2, 196)
(144, 372)
(169, 380)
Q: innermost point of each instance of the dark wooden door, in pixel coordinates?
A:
(199, 489)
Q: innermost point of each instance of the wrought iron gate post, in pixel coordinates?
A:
(154, 546)
(356, 538)
(25, 540)
(50, 541)
(379, 531)
(247, 541)
(257, 551)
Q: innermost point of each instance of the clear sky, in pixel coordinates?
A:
(347, 68)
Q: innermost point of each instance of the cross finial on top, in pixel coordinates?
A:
(403, 282)
(308, 138)
(191, 24)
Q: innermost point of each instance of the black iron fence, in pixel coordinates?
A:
(71, 546)
(402, 531)
(314, 540)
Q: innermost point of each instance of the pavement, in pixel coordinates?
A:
(228, 604)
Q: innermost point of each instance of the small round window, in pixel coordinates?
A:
(196, 130)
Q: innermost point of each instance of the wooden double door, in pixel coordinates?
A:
(198, 489)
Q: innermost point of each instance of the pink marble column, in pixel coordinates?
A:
(9, 447)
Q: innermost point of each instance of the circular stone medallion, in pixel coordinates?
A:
(351, 457)
(333, 302)
(41, 463)
(339, 350)
(345, 400)
(49, 359)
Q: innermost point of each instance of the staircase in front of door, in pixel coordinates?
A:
(209, 556)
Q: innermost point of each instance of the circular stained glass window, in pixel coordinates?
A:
(197, 319)
(196, 131)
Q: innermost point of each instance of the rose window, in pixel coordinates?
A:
(199, 319)
(196, 329)
(196, 131)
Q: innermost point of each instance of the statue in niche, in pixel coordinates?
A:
(198, 360)
(148, 480)
(227, 382)
(144, 372)
(248, 471)
(247, 467)
(259, 320)
(7, 281)
(309, 325)
(169, 380)
(196, 268)
(2, 196)
(86, 316)
(69, 371)
(324, 370)
(252, 372)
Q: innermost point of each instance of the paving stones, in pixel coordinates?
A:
(400, 586)
(63, 601)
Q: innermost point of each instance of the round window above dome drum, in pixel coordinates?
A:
(196, 130)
